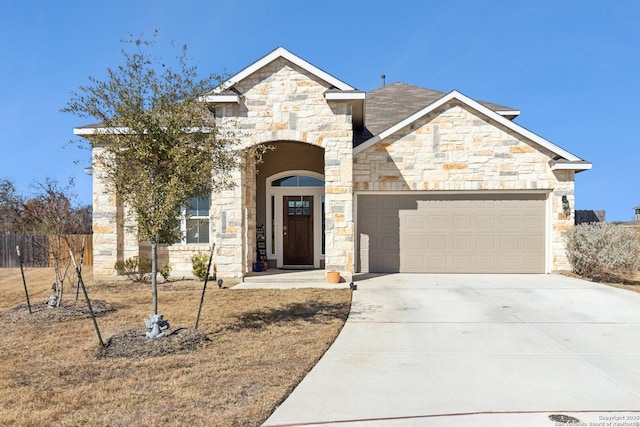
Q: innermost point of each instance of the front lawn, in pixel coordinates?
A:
(261, 344)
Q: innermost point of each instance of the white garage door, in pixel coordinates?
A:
(483, 233)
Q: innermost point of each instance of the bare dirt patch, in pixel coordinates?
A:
(251, 349)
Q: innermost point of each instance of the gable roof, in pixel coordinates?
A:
(267, 59)
(390, 104)
(566, 160)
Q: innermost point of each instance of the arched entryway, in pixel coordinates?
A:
(290, 205)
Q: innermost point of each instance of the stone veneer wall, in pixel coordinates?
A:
(452, 149)
(456, 149)
(282, 102)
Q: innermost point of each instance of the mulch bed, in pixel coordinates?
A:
(134, 343)
(42, 313)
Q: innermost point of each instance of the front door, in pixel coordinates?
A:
(297, 231)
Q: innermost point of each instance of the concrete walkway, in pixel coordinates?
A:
(477, 350)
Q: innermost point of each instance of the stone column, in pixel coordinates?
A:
(562, 219)
(107, 224)
(228, 229)
(339, 222)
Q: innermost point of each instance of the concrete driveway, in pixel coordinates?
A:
(473, 350)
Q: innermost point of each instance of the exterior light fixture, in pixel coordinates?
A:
(565, 205)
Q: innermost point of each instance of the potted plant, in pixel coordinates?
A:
(333, 276)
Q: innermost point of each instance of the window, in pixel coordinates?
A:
(298, 181)
(195, 223)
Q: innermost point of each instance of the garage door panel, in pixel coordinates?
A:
(510, 242)
(437, 222)
(436, 263)
(462, 243)
(453, 233)
(437, 242)
(486, 222)
(486, 243)
(414, 243)
(534, 242)
(414, 221)
(388, 223)
(510, 221)
(462, 262)
(534, 222)
(415, 263)
(390, 243)
(486, 263)
(462, 221)
(532, 262)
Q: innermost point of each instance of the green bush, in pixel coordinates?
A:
(165, 271)
(199, 264)
(135, 268)
(603, 251)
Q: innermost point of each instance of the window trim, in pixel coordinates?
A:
(185, 218)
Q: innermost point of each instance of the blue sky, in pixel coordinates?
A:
(571, 67)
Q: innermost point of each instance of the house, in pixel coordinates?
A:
(399, 179)
(589, 215)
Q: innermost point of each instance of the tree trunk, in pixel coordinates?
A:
(154, 274)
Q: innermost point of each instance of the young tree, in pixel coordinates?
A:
(51, 212)
(161, 144)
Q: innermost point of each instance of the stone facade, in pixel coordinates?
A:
(453, 148)
(283, 102)
(280, 102)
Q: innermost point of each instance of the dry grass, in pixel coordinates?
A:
(262, 343)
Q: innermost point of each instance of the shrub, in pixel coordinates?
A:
(135, 268)
(165, 271)
(603, 251)
(199, 264)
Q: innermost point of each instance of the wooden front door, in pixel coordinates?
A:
(297, 230)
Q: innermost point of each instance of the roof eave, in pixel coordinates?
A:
(509, 114)
(220, 99)
(356, 98)
(577, 166)
(345, 96)
(88, 131)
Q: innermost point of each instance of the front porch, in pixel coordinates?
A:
(283, 279)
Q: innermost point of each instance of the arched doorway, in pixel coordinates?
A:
(295, 219)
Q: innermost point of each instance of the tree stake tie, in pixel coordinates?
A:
(86, 297)
(204, 288)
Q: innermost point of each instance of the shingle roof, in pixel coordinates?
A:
(391, 104)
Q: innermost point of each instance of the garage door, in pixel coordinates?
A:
(497, 233)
